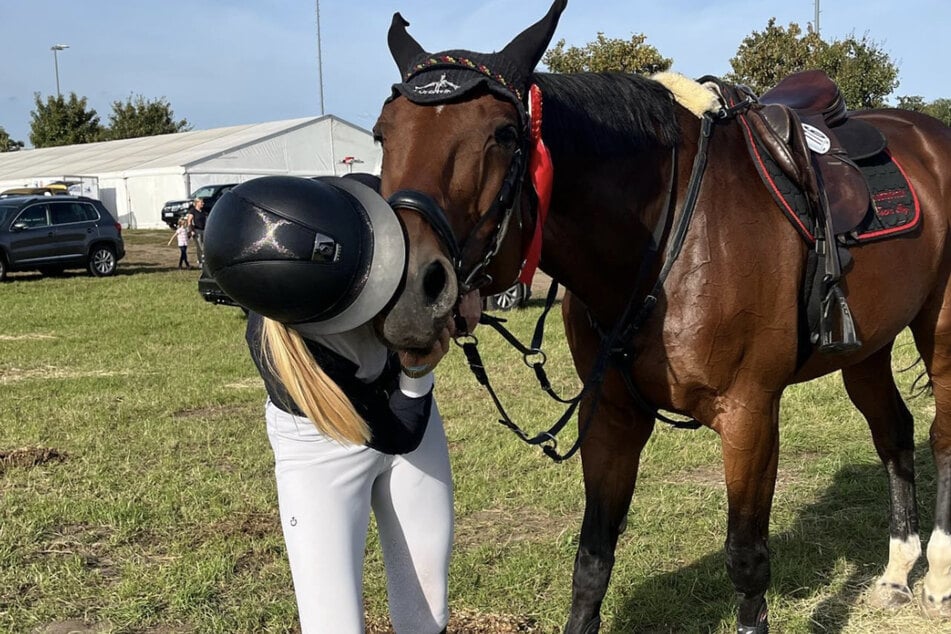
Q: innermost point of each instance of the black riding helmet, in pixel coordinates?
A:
(327, 252)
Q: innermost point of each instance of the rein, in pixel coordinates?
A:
(624, 329)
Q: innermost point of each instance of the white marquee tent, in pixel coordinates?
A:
(134, 177)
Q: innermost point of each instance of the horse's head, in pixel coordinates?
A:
(454, 136)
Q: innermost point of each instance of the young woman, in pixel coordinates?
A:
(352, 425)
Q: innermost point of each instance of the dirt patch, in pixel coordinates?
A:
(29, 457)
(466, 622)
(27, 337)
(511, 526)
(12, 375)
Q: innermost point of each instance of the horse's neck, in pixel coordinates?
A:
(602, 217)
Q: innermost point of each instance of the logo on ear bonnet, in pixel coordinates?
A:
(441, 87)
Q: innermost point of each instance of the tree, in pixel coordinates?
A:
(138, 117)
(7, 144)
(607, 54)
(865, 74)
(59, 121)
(940, 109)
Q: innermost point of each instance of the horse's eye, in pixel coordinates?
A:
(506, 135)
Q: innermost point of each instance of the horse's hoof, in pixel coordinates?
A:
(889, 596)
(935, 607)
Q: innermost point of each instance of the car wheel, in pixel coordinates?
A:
(511, 298)
(3, 269)
(102, 261)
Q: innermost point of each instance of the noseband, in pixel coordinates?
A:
(501, 210)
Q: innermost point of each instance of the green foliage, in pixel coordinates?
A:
(607, 54)
(865, 74)
(138, 117)
(62, 121)
(940, 109)
(7, 144)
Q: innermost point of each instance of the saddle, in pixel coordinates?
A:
(804, 126)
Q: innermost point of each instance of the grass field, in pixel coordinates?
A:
(136, 492)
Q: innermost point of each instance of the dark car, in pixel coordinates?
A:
(175, 209)
(208, 288)
(51, 234)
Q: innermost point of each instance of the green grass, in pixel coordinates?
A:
(152, 503)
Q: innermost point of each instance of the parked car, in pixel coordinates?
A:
(513, 297)
(175, 209)
(208, 288)
(51, 234)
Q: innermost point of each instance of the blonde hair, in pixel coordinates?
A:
(320, 399)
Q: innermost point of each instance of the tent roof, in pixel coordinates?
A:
(167, 150)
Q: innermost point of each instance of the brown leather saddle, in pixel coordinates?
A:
(804, 125)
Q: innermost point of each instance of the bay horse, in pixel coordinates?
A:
(461, 165)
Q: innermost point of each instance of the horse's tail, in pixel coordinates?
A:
(922, 385)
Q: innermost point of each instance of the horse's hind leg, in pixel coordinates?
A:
(933, 338)
(872, 388)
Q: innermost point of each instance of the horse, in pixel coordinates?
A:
(467, 141)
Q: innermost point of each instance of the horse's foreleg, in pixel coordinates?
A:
(750, 440)
(872, 389)
(610, 456)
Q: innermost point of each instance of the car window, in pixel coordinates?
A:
(90, 211)
(34, 216)
(204, 192)
(6, 211)
(63, 213)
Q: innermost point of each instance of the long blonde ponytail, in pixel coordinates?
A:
(322, 401)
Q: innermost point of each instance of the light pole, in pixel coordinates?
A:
(56, 48)
(320, 61)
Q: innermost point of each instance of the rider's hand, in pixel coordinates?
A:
(470, 309)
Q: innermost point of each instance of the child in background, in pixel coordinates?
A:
(182, 234)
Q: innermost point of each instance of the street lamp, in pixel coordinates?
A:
(55, 48)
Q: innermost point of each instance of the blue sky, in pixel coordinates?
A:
(224, 62)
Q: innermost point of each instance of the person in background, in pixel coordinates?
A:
(181, 233)
(353, 426)
(197, 217)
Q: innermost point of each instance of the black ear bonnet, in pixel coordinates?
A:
(433, 78)
(328, 252)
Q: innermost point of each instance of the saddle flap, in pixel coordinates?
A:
(845, 189)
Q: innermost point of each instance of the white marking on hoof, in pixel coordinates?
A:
(889, 596)
(891, 589)
(936, 589)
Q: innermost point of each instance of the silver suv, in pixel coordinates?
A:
(53, 233)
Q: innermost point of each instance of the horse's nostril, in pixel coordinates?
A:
(434, 282)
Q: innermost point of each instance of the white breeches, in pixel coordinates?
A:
(326, 491)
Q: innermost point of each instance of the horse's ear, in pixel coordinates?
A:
(403, 47)
(528, 47)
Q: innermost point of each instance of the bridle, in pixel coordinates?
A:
(504, 206)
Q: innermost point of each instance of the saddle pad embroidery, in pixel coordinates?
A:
(894, 208)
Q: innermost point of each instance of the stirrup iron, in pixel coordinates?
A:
(848, 340)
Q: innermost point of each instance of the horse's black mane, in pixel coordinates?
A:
(605, 114)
